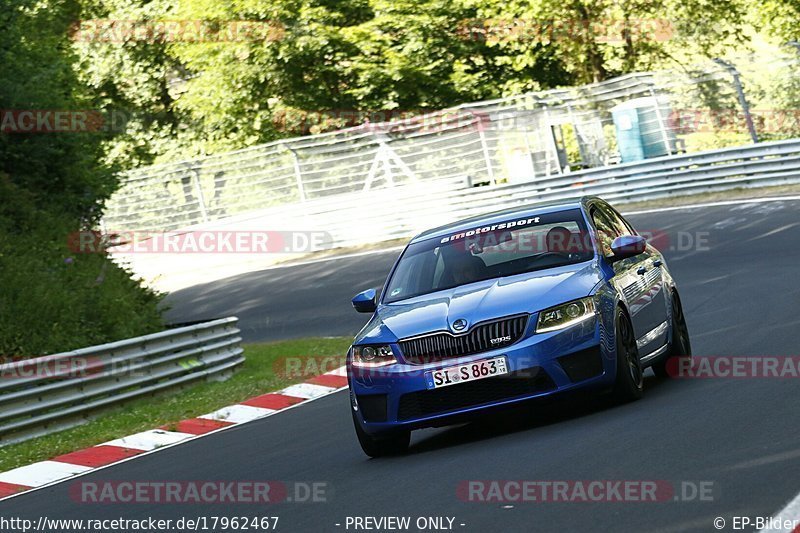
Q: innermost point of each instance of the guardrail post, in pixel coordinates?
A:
(737, 83)
(298, 174)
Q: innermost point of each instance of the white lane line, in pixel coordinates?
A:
(306, 390)
(41, 473)
(149, 440)
(774, 231)
(768, 460)
(712, 204)
(787, 519)
(238, 414)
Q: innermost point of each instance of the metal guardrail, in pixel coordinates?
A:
(47, 394)
(384, 214)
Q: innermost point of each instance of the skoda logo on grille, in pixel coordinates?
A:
(459, 324)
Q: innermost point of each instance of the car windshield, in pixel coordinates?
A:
(495, 250)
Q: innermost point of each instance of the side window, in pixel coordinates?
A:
(606, 231)
(616, 219)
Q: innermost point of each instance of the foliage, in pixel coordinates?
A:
(326, 60)
(52, 184)
(54, 300)
(57, 172)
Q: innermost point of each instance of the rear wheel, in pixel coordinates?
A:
(680, 346)
(391, 444)
(629, 384)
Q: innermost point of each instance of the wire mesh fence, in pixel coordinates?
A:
(511, 140)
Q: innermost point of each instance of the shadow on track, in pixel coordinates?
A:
(532, 415)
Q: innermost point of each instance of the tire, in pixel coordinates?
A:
(629, 384)
(391, 444)
(680, 345)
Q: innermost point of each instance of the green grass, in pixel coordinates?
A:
(262, 372)
(55, 300)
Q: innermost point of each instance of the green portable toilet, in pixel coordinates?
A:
(642, 129)
(629, 138)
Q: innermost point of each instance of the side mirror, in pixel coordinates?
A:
(366, 302)
(626, 246)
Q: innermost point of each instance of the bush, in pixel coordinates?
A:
(700, 141)
(52, 300)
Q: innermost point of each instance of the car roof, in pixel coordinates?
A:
(503, 215)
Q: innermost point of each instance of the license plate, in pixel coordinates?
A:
(453, 375)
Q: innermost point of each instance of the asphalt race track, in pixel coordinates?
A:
(741, 297)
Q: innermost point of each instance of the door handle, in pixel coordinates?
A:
(642, 271)
(657, 263)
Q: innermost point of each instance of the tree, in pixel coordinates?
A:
(57, 172)
(53, 184)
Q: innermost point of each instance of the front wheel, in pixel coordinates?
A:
(629, 384)
(392, 444)
(679, 346)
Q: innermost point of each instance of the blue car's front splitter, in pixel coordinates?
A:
(398, 396)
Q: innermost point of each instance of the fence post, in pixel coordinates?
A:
(298, 174)
(199, 191)
(484, 146)
(662, 125)
(737, 83)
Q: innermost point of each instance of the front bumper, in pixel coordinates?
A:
(397, 397)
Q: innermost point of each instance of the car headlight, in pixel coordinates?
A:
(565, 315)
(373, 356)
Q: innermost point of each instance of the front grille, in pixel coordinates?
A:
(472, 393)
(444, 345)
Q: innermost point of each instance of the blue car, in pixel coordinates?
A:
(506, 307)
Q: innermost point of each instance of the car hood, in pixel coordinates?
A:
(483, 300)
